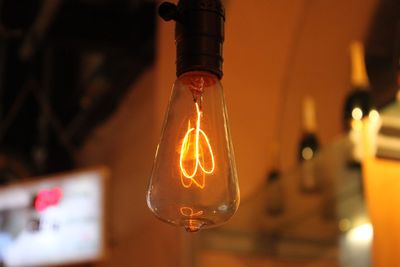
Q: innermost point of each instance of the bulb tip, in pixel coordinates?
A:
(193, 225)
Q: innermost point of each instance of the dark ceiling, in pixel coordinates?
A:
(64, 68)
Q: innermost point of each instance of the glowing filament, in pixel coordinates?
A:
(189, 212)
(188, 178)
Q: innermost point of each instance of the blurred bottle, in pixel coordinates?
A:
(308, 147)
(358, 104)
(274, 186)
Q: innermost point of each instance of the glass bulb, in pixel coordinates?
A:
(194, 182)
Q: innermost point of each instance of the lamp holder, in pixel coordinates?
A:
(199, 34)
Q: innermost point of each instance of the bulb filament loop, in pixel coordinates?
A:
(189, 212)
(200, 142)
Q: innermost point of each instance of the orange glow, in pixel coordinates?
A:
(189, 212)
(197, 156)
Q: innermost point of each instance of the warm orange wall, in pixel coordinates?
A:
(298, 45)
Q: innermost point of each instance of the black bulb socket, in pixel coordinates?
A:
(199, 34)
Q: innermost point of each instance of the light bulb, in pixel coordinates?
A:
(194, 181)
(373, 115)
(357, 113)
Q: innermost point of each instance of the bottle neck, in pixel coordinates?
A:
(359, 77)
(275, 156)
(309, 120)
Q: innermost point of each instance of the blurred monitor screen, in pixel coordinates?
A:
(52, 221)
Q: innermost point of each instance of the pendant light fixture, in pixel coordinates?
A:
(194, 182)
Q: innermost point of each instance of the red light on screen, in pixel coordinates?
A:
(47, 197)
